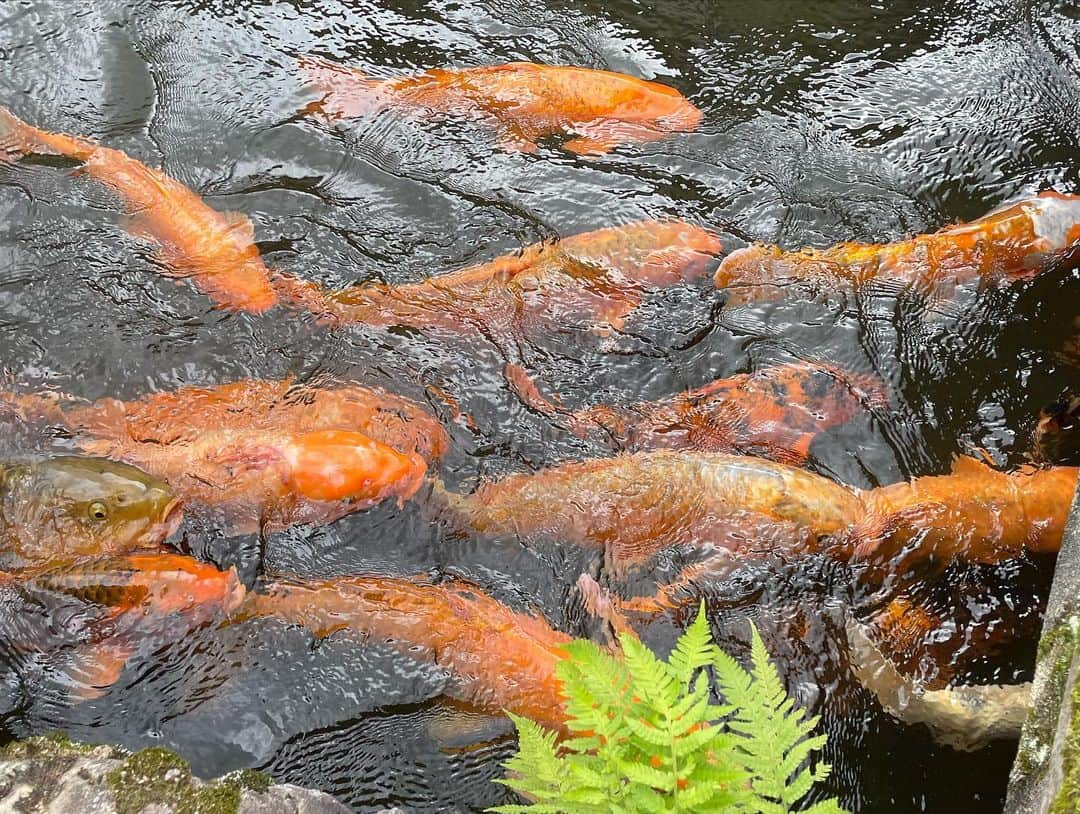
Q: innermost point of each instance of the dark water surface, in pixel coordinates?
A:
(825, 121)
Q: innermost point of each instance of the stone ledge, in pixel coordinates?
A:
(1045, 777)
(52, 775)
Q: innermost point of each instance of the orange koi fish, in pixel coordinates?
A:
(502, 660)
(592, 280)
(633, 506)
(215, 250)
(734, 507)
(974, 513)
(521, 101)
(180, 416)
(265, 453)
(134, 603)
(266, 480)
(1014, 242)
(772, 413)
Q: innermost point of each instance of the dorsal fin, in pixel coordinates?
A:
(966, 465)
(239, 223)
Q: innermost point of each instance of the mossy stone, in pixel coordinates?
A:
(1067, 799)
(52, 744)
(157, 775)
(1057, 649)
(248, 780)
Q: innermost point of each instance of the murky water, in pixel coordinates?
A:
(830, 121)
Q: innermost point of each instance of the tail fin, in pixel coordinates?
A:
(18, 139)
(344, 93)
(94, 668)
(870, 390)
(522, 385)
(14, 141)
(33, 408)
(304, 295)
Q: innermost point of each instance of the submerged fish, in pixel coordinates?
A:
(215, 250)
(521, 101)
(589, 281)
(267, 453)
(633, 506)
(967, 718)
(1017, 241)
(773, 413)
(180, 416)
(500, 660)
(66, 508)
(130, 604)
(974, 513)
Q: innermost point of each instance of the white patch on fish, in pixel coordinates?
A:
(1052, 219)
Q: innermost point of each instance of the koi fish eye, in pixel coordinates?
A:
(98, 511)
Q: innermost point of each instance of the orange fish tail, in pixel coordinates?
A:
(870, 390)
(15, 141)
(344, 93)
(19, 139)
(33, 407)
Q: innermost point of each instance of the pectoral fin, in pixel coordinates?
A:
(591, 145)
(601, 603)
(240, 224)
(136, 226)
(880, 538)
(459, 727)
(514, 141)
(345, 92)
(93, 668)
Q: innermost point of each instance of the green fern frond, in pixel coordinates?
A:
(647, 737)
(694, 650)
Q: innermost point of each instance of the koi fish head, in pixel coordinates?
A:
(340, 465)
(1056, 437)
(656, 105)
(71, 506)
(666, 252)
(1055, 218)
(1049, 223)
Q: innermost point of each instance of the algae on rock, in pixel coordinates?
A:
(1045, 777)
(53, 775)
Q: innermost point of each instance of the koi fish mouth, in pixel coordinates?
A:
(170, 524)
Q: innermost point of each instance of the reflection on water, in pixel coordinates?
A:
(823, 122)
